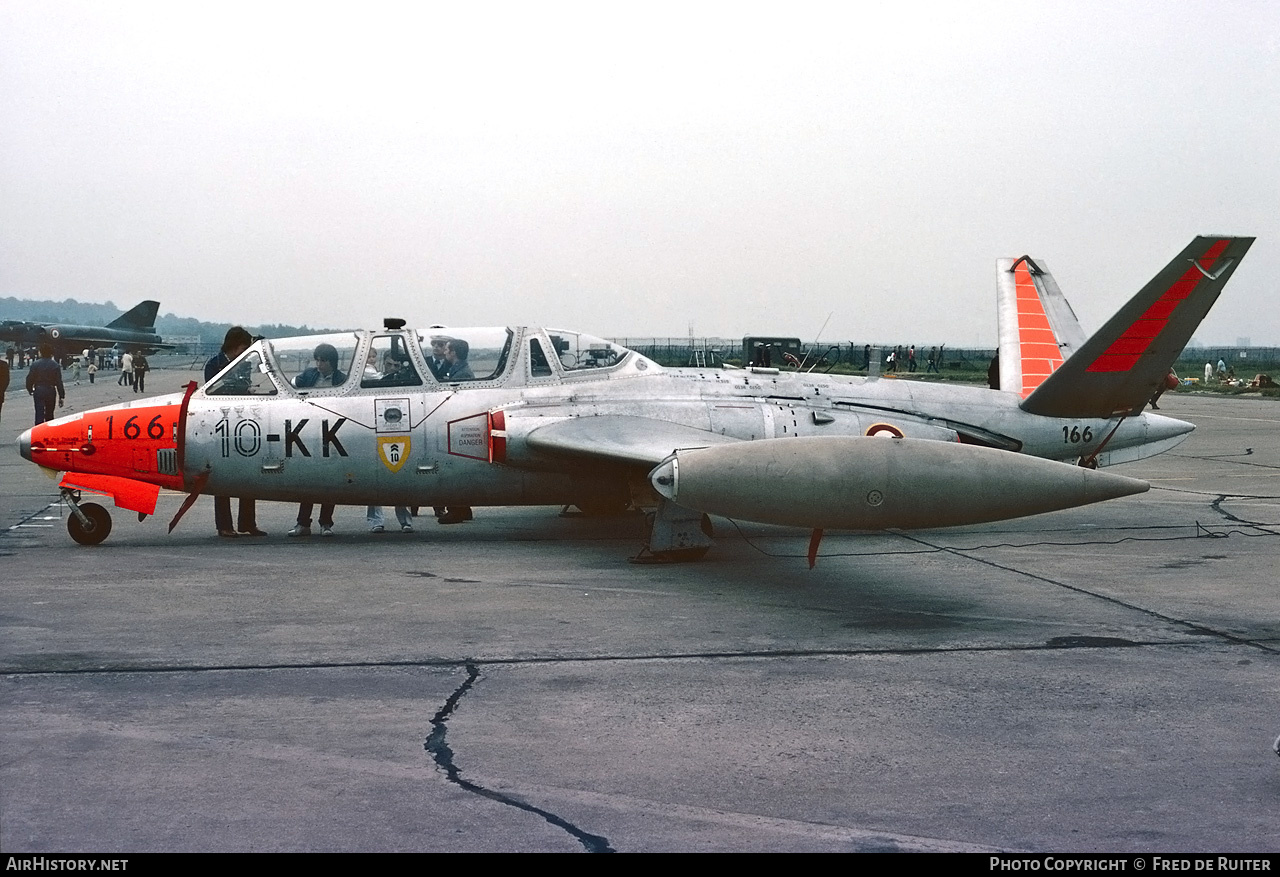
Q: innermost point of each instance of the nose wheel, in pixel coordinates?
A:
(89, 523)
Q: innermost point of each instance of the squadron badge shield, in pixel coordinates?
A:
(393, 451)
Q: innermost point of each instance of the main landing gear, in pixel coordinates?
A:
(676, 535)
(89, 523)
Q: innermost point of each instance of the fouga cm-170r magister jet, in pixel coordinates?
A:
(524, 416)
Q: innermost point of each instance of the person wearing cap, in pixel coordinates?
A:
(438, 361)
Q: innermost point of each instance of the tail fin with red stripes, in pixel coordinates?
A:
(1117, 370)
(1038, 329)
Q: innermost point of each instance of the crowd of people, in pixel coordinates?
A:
(44, 379)
(448, 361)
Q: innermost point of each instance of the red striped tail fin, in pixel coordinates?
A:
(1117, 370)
(1038, 329)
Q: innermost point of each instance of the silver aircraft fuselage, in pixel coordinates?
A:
(524, 416)
(323, 445)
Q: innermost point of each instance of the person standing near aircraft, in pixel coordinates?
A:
(303, 526)
(374, 518)
(456, 352)
(371, 372)
(438, 364)
(140, 367)
(126, 370)
(325, 373)
(44, 383)
(373, 377)
(4, 382)
(438, 361)
(1170, 381)
(234, 343)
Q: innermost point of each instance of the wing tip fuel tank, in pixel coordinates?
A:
(863, 483)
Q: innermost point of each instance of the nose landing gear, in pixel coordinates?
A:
(89, 523)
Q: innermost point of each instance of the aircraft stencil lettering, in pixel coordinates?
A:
(245, 437)
(294, 441)
(530, 416)
(469, 437)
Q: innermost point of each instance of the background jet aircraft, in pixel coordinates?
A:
(526, 416)
(135, 330)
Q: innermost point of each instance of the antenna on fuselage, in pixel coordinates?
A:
(815, 344)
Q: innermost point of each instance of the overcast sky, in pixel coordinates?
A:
(635, 169)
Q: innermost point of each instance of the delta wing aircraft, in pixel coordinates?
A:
(525, 416)
(135, 329)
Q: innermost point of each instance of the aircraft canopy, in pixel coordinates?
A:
(449, 356)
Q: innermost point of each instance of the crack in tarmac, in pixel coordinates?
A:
(1216, 505)
(437, 747)
(440, 752)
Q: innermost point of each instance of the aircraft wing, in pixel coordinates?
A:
(617, 438)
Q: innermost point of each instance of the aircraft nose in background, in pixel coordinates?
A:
(24, 445)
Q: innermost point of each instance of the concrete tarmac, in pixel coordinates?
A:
(1101, 679)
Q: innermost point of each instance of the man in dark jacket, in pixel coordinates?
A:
(324, 373)
(438, 362)
(44, 383)
(140, 369)
(236, 342)
(456, 353)
(4, 381)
